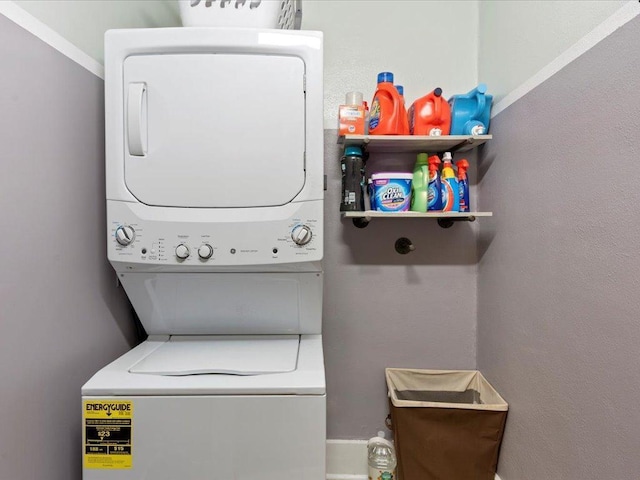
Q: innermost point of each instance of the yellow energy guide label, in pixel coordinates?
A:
(108, 426)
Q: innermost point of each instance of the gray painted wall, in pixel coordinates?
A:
(558, 310)
(558, 329)
(66, 318)
(61, 315)
(382, 309)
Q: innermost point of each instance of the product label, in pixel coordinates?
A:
(432, 195)
(463, 203)
(374, 115)
(108, 438)
(392, 196)
(375, 474)
(349, 197)
(351, 120)
(448, 196)
(434, 192)
(411, 118)
(353, 113)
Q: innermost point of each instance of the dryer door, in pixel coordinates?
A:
(214, 130)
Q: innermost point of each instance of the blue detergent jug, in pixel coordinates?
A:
(470, 112)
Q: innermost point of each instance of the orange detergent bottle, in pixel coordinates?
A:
(430, 115)
(388, 114)
(404, 129)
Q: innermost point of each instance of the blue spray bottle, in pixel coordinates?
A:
(463, 184)
(434, 188)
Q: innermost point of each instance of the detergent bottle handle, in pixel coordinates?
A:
(482, 100)
(437, 102)
(481, 104)
(437, 107)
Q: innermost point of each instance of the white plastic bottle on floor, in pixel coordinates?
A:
(381, 458)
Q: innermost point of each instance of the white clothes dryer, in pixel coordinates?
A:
(214, 162)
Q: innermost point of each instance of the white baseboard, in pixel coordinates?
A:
(347, 460)
(337, 476)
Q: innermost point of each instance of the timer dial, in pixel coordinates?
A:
(205, 251)
(125, 235)
(182, 251)
(301, 234)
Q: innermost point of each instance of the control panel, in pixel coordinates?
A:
(170, 242)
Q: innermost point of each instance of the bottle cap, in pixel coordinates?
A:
(354, 98)
(385, 77)
(434, 160)
(462, 163)
(482, 88)
(477, 129)
(422, 158)
(446, 157)
(380, 439)
(352, 150)
(437, 92)
(400, 89)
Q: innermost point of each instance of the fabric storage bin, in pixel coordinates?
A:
(447, 424)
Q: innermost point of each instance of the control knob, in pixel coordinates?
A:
(182, 251)
(125, 235)
(301, 234)
(205, 251)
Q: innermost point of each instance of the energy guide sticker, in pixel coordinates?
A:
(108, 426)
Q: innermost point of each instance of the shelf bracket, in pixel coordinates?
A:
(361, 222)
(448, 222)
(404, 246)
(464, 143)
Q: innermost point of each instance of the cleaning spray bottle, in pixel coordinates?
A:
(450, 191)
(419, 184)
(434, 193)
(463, 184)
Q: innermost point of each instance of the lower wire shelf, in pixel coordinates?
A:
(445, 219)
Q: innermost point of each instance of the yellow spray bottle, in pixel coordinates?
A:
(450, 189)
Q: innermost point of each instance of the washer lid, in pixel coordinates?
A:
(235, 355)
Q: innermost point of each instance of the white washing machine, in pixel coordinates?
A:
(214, 153)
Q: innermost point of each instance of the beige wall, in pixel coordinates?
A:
(500, 42)
(413, 39)
(83, 22)
(361, 39)
(518, 38)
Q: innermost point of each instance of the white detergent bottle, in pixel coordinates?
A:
(381, 458)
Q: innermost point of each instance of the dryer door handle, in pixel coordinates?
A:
(137, 119)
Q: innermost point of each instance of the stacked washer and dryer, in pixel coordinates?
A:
(214, 161)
